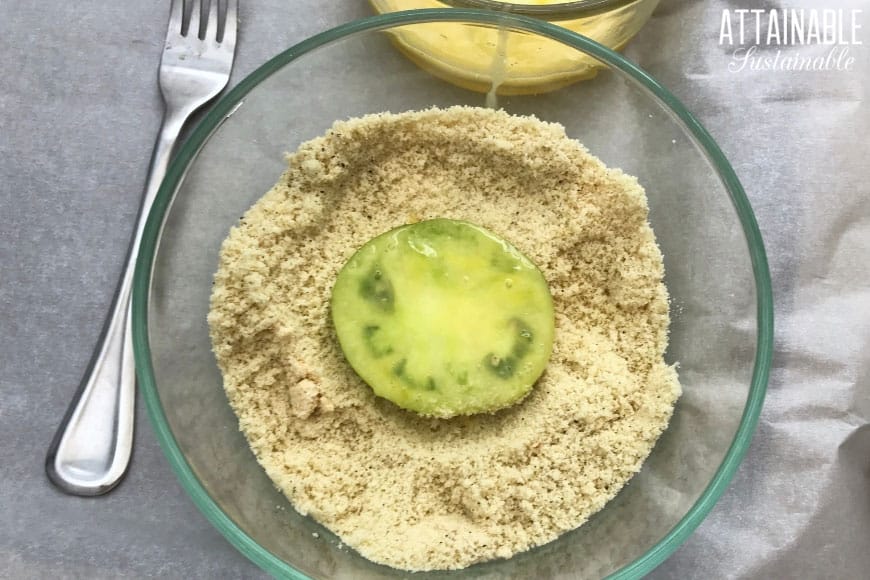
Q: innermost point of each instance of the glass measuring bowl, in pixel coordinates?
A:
(513, 63)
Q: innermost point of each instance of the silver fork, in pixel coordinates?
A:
(91, 449)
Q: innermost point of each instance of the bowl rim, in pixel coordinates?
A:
(226, 106)
(566, 10)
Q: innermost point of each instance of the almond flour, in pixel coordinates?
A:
(424, 494)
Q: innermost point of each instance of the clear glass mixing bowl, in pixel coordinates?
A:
(716, 272)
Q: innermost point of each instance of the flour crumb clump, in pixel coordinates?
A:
(424, 494)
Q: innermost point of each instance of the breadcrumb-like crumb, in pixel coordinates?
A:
(423, 494)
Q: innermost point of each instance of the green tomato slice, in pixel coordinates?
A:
(444, 318)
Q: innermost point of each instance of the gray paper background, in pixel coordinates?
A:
(79, 109)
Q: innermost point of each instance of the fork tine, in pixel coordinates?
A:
(211, 25)
(229, 38)
(176, 14)
(193, 25)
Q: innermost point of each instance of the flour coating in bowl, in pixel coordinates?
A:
(424, 494)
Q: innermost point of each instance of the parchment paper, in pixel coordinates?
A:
(79, 110)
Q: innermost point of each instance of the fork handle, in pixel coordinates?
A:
(91, 450)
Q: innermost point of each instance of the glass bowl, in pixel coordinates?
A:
(716, 271)
(469, 56)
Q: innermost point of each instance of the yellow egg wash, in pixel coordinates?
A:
(502, 62)
(533, 1)
(498, 71)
